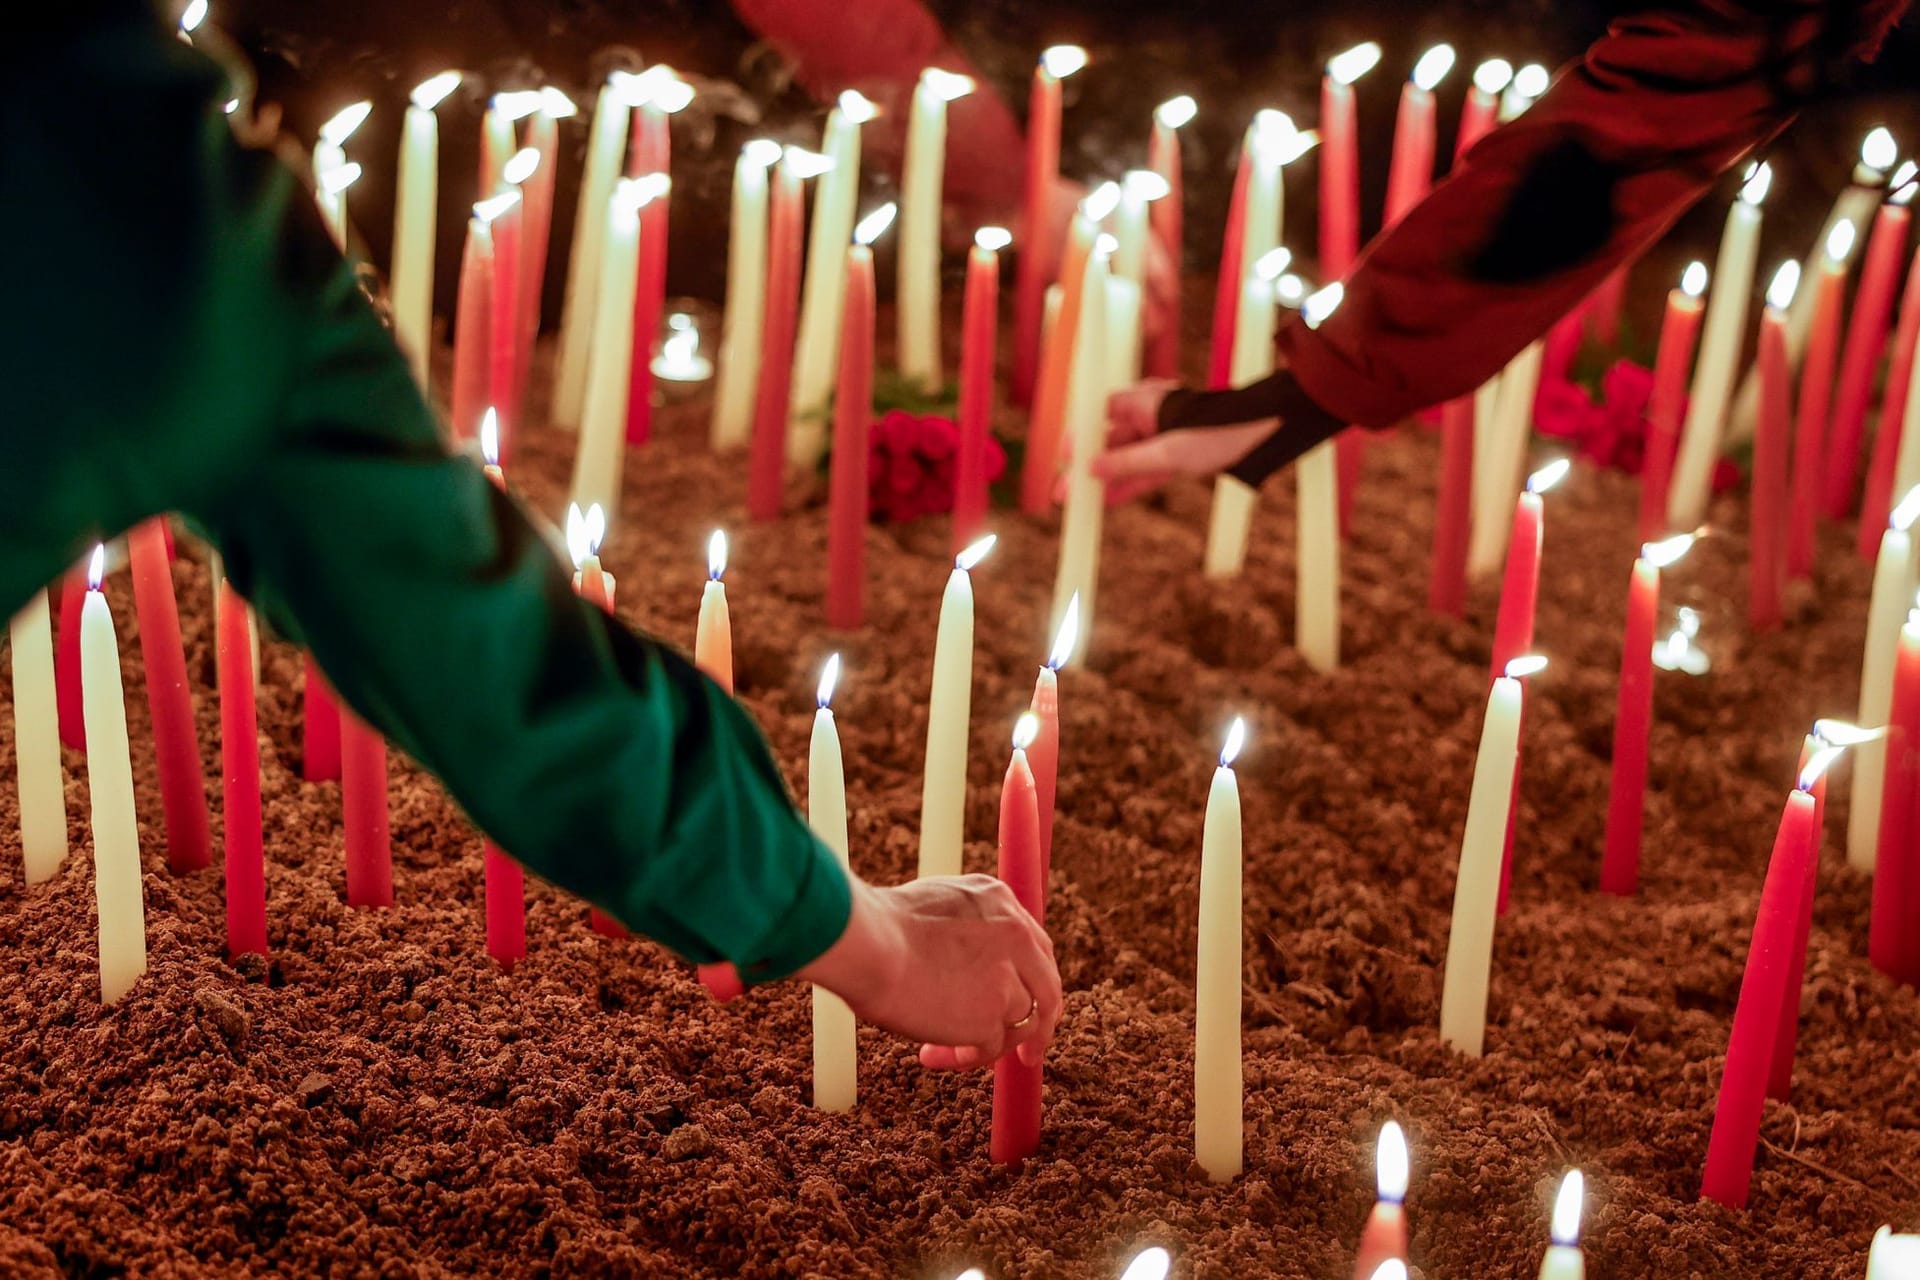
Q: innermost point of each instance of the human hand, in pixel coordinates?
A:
(1140, 458)
(954, 962)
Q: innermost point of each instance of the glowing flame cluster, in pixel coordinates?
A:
(1678, 652)
(585, 532)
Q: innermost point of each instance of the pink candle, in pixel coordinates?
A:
(363, 803)
(1226, 296)
(852, 417)
(1816, 388)
(1672, 366)
(66, 660)
(472, 316)
(1878, 503)
(1411, 173)
(320, 715)
(1166, 217)
(1017, 1086)
(1481, 111)
(1767, 536)
(176, 739)
(1893, 939)
(1385, 1235)
(1044, 754)
(978, 328)
(1633, 718)
(1860, 359)
(1043, 176)
(651, 154)
(767, 451)
(240, 778)
(1453, 510)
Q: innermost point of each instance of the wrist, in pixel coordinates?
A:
(863, 958)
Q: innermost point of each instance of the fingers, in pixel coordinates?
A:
(1040, 981)
(1151, 457)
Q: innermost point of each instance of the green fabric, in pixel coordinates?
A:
(180, 335)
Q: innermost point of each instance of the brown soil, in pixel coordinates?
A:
(380, 1099)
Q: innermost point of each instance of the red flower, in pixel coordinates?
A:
(911, 464)
(1611, 432)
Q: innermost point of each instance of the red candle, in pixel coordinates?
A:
(1520, 587)
(473, 318)
(66, 664)
(1016, 1085)
(651, 154)
(767, 452)
(1166, 217)
(1756, 1017)
(1044, 754)
(1780, 1072)
(176, 740)
(503, 327)
(1816, 388)
(1411, 173)
(852, 416)
(1860, 358)
(978, 328)
(1385, 1235)
(1767, 534)
(1226, 297)
(1043, 176)
(1340, 219)
(596, 586)
(1481, 111)
(240, 778)
(320, 713)
(1453, 510)
(503, 882)
(1893, 939)
(543, 137)
(363, 804)
(1672, 366)
(1633, 717)
(1877, 506)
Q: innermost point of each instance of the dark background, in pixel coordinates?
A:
(1234, 56)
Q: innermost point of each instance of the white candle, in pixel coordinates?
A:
(1316, 615)
(116, 832)
(1723, 337)
(920, 203)
(943, 795)
(745, 316)
(36, 740)
(713, 634)
(332, 172)
(1086, 423)
(1476, 891)
(1906, 465)
(835, 1065)
(1272, 140)
(413, 222)
(1893, 1257)
(597, 462)
(606, 156)
(1121, 339)
(1233, 500)
(1138, 189)
(817, 347)
(1563, 1260)
(1893, 595)
(1217, 1111)
(1505, 458)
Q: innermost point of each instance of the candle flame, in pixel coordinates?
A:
(1174, 113)
(1433, 67)
(974, 554)
(971, 1273)
(1277, 141)
(1904, 196)
(1069, 633)
(516, 104)
(1236, 739)
(556, 105)
(1025, 730)
(1567, 1207)
(1105, 245)
(829, 681)
(1271, 264)
(674, 94)
(1909, 170)
(233, 105)
(1530, 665)
(630, 195)
(1667, 551)
(659, 85)
(492, 207)
(1758, 181)
(1298, 145)
(96, 567)
(1145, 185)
(1149, 1264)
(337, 130)
(1322, 304)
(1840, 241)
(580, 547)
(806, 164)
(521, 166)
(1493, 76)
(1100, 202)
(993, 239)
(717, 555)
(1062, 60)
(1345, 68)
(1290, 289)
(1906, 511)
(1531, 80)
(946, 85)
(1878, 150)
(874, 225)
(1817, 766)
(1550, 475)
(1390, 1163)
(1839, 733)
(431, 92)
(1693, 281)
(857, 107)
(631, 90)
(764, 152)
(490, 436)
(193, 15)
(1391, 1269)
(339, 178)
(1786, 283)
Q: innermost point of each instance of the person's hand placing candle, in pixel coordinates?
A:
(1140, 457)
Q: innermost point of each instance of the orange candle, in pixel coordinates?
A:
(1167, 219)
(1043, 176)
(1050, 395)
(543, 136)
(66, 660)
(767, 451)
(1816, 387)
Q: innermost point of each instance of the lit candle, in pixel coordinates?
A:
(504, 325)
(1528, 83)
(116, 832)
(505, 110)
(1414, 131)
(1139, 188)
(1860, 358)
(920, 203)
(1083, 513)
(835, 1051)
(1480, 112)
(606, 148)
(1044, 754)
(66, 660)
(979, 341)
(1015, 1133)
(1453, 509)
(1893, 408)
(1316, 614)
(817, 350)
(1463, 995)
(1893, 1257)
(1520, 588)
(1893, 592)
(1391, 1269)
(1043, 176)
(1855, 203)
(1893, 940)
(1500, 454)
(713, 635)
(943, 796)
(503, 884)
(1671, 365)
(1810, 441)
(1164, 158)
(332, 173)
(733, 398)
(1217, 1114)
(665, 94)
(1563, 1260)
(1047, 424)
(1757, 1015)
(411, 295)
(1384, 1238)
(1340, 159)
(852, 418)
(36, 740)
(363, 806)
(1233, 259)
(1722, 337)
(1767, 530)
(1233, 500)
(543, 137)
(1633, 718)
(473, 316)
(240, 777)
(176, 740)
(599, 461)
(767, 451)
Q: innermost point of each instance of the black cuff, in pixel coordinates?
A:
(1303, 423)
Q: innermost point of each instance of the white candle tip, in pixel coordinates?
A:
(555, 104)
(1530, 665)
(521, 166)
(993, 239)
(1069, 633)
(1493, 76)
(1100, 202)
(1345, 68)
(492, 207)
(1105, 245)
(1290, 290)
(1151, 1263)
(975, 553)
(96, 568)
(829, 680)
(1817, 766)
(1567, 1207)
(1693, 281)
(1433, 67)
(339, 177)
(1391, 1269)
(1146, 185)
(1840, 241)
(764, 152)
(1062, 60)
(805, 163)
(717, 555)
(1390, 1163)
(1270, 265)
(431, 92)
(1322, 304)
(337, 130)
(946, 85)
(1759, 180)
(1906, 511)
(1549, 476)
(1175, 113)
(1025, 730)
(857, 107)
(1786, 283)
(1667, 551)
(875, 224)
(1531, 80)
(516, 104)
(490, 436)
(1839, 733)
(193, 15)
(1879, 150)
(1236, 739)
